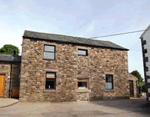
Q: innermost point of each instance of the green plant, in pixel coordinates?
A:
(141, 84)
(8, 49)
(138, 75)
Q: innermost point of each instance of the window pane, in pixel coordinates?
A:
(50, 75)
(50, 84)
(109, 78)
(82, 52)
(49, 48)
(82, 84)
(108, 85)
(48, 55)
(148, 90)
(148, 80)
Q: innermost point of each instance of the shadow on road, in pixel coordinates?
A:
(137, 105)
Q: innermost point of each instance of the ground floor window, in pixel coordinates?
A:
(148, 90)
(109, 81)
(50, 80)
(83, 83)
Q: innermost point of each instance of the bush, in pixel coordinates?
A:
(9, 50)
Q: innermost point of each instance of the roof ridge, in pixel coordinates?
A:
(71, 39)
(67, 35)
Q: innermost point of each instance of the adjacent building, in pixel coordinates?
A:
(60, 68)
(145, 42)
(10, 75)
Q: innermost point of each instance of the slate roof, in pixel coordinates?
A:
(71, 40)
(10, 58)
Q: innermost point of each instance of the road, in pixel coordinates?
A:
(103, 108)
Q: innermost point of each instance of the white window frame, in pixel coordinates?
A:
(52, 52)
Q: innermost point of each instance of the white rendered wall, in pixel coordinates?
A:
(146, 37)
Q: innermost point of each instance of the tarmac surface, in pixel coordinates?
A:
(103, 108)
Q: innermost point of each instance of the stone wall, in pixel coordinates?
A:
(83, 96)
(134, 79)
(15, 81)
(69, 67)
(5, 69)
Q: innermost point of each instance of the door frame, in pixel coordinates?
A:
(132, 88)
(4, 83)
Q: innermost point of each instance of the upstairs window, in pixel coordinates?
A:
(146, 59)
(145, 51)
(109, 81)
(49, 52)
(50, 80)
(82, 52)
(146, 68)
(148, 80)
(144, 42)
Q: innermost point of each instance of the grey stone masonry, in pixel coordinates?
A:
(69, 67)
(10, 73)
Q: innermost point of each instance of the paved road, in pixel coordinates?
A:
(103, 108)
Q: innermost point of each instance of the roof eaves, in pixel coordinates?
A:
(6, 58)
(75, 43)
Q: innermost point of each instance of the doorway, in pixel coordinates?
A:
(131, 88)
(2, 85)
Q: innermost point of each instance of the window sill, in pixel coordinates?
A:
(109, 90)
(50, 59)
(83, 90)
(49, 90)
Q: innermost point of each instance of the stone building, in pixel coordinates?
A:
(65, 68)
(9, 75)
(60, 68)
(133, 85)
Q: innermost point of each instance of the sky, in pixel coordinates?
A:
(83, 18)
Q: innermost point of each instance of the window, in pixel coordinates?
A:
(148, 90)
(82, 52)
(109, 81)
(148, 80)
(146, 68)
(144, 42)
(146, 59)
(83, 83)
(145, 51)
(50, 80)
(49, 52)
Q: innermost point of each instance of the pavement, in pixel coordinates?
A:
(5, 102)
(102, 108)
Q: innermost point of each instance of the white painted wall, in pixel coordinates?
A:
(146, 37)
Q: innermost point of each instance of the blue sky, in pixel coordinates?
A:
(85, 18)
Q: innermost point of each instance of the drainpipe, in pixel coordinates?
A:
(10, 87)
(10, 80)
